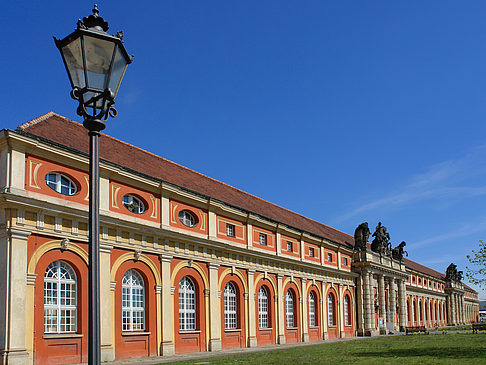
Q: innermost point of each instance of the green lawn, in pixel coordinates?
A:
(454, 349)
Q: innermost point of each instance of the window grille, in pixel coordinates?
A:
(230, 314)
(262, 308)
(133, 302)
(60, 302)
(61, 183)
(330, 310)
(289, 309)
(312, 310)
(263, 239)
(187, 305)
(347, 320)
(187, 218)
(289, 246)
(230, 230)
(133, 204)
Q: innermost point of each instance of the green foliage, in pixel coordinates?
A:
(478, 259)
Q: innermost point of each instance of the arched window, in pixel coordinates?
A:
(187, 305)
(330, 310)
(230, 316)
(133, 302)
(347, 311)
(61, 183)
(262, 307)
(312, 310)
(59, 298)
(289, 309)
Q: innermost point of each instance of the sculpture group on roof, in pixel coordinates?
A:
(381, 243)
(452, 274)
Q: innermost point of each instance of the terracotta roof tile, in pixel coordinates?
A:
(423, 269)
(71, 134)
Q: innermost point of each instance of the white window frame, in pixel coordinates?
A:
(230, 230)
(133, 204)
(312, 309)
(329, 257)
(263, 239)
(187, 305)
(290, 246)
(187, 218)
(263, 308)
(60, 298)
(58, 184)
(230, 307)
(311, 251)
(345, 261)
(347, 320)
(289, 309)
(133, 302)
(330, 311)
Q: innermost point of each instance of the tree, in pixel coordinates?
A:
(478, 258)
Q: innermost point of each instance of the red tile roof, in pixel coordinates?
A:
(63, 131)
(66, 132)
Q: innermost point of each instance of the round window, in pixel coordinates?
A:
(133, 204)
(187, 218)
(61, 183)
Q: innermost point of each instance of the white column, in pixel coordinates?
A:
(280, 311)
(305, 308)
(393, 304)
(107, 349)
(252, 321)
(403, 305)
(381, 298)
(214, 310)
(13, 291)
(167, 346)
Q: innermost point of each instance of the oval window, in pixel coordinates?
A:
(133, 204)
(187, 218)
(61, 183)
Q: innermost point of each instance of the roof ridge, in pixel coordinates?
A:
(34, 121)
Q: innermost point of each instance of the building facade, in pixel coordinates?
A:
(188, 263)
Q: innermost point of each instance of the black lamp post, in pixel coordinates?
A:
(95, 62)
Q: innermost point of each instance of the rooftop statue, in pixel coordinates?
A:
(381, 243)
(452, 274)
(361, 236)
(397, 252)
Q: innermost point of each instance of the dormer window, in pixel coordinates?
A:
(133, 204)
(187, 218)
(61, 183)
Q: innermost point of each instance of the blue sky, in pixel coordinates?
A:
(344, 112)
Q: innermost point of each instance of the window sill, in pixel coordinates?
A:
(314, 327)
(265, 329)
(189, 332)
(49, 336)
(233, 330)
(135, 333)
(292, 328)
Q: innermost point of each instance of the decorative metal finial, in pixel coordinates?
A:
(94, 21)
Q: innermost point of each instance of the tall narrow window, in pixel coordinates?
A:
(311, 252)
(330, 310)
(289, 309)
(230, 316)
(262, 308)
(133, 302)
(347, 314)
(59, 298)
(312, 310)
(289, 246)
(187, 305)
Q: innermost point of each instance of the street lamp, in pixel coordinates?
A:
(95, 62)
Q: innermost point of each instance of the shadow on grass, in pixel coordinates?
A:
(449, 352)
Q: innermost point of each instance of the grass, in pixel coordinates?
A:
(415, 349)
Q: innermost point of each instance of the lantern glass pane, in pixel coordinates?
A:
(119, 65)
(74, 61)
(99, 53)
